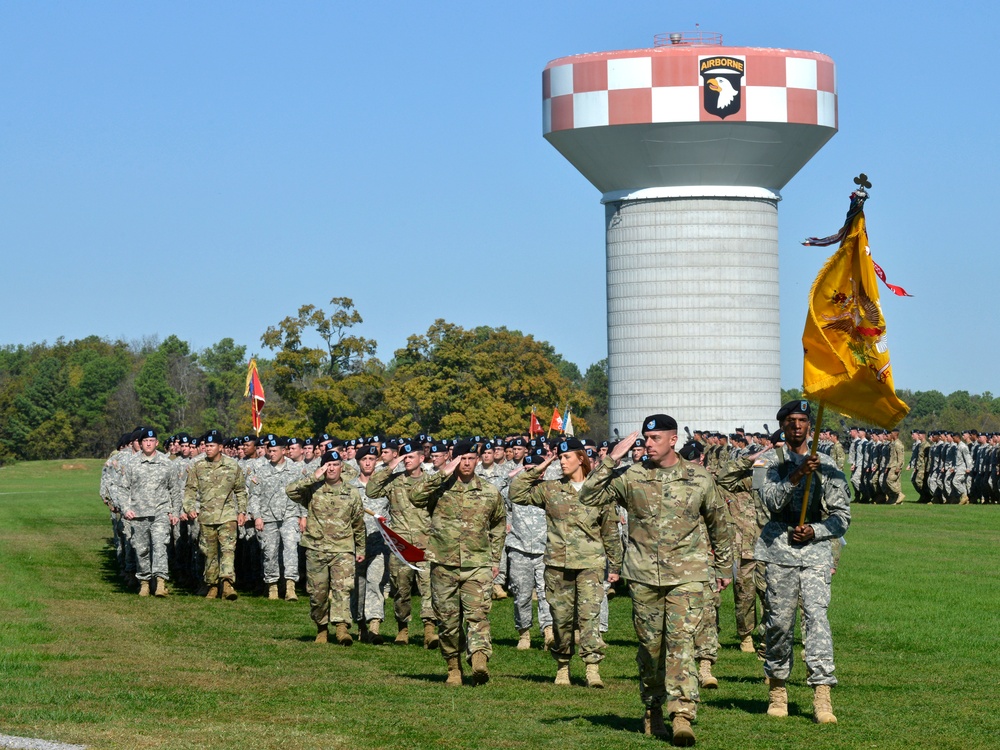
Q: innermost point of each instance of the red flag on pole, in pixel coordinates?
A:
(557, 421)
(534, 427)
(255, 392)
(401, 548)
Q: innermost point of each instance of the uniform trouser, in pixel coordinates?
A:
(574, 597)
(526, 575)
(279, 545)
(959, 486)
(124, 534)
(116, 535)
(329, 581)
(603, 619)
(706, 636)
(217, 543)
(665, 619)
(150, 535)
(196, 559)
(748, 585)
(462, 594)
(401, 578)
(893, 489)
(370, 577)
(500, 579)
(785, 586)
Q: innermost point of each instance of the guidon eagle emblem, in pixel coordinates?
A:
(722, 84)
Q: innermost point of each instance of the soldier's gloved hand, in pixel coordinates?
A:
(803, 534)
(258, 523)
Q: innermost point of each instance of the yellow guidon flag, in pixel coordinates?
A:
(845, 347)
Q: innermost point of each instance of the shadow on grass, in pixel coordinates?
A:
(609, 721)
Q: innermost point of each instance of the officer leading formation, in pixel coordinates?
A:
(563, 524)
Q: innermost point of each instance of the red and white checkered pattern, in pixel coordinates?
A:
(663, 85)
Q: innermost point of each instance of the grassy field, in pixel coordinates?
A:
(914, 613)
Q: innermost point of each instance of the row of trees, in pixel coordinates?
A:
(75, 398)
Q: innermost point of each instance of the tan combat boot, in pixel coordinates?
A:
(161, 587)
(652, 722)
(343, 637)
(964, 500)
(228, 592)
(403, 636)
(594, 677)
(272, 591)
(562, 671)
(822, 706)
(431, 640)
(143, 588)
(777, 698)
(746, 645)
(524, 642)
(211, 591)
(550, 637)
(705, 676)
(454, 672)
(498, 592)
(480, 668)
(683, 734)
(322, 636)
(900, 499)
(290, 592)
(373, 634)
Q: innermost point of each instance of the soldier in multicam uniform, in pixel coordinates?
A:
(216, 496)
(412, 524)
(666, 564)
(372, 574)
(277, 520)
(334, 540)
(799, 559)
(468, 525)
(151, 503)
(893, 469)
(581, 543)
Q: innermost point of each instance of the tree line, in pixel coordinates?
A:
(75, 398)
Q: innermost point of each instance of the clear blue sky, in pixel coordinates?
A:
(205, 168)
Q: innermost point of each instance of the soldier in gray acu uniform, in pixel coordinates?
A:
(151, 500)
(276, 518)
(798, 559)
(371, 576)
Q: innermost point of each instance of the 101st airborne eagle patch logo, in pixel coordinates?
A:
(722, 84)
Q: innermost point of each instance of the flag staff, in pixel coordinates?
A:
(812, 452)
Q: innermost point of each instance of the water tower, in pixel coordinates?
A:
(690, 143)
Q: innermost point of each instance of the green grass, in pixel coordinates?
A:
(914, 615)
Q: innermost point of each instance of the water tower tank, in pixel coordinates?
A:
(690, 143)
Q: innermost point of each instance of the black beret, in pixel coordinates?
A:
(439, 447)
(794, 407)
(568, 445)
(368, 450)
(330, 455)
(778, 436)
(212, 436)
(147, 433)
(518, 442)
(462, 448)
(408, 446)
(661, 422)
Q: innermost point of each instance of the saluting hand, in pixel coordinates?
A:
(449, 468)
(624, 447)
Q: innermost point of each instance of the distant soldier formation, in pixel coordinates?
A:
(560, 525)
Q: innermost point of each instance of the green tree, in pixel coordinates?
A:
(224, 366)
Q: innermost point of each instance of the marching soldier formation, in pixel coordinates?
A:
(561, 524)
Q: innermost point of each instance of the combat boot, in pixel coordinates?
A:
(498, 592)
(431, 640)
(562, 672)
(403, 636)
(454, 672)
(161, 587)
(364, 636)
(900, 499)
(652, 722)
(228, 592)
(746, 645)
(594, 677)
(272, 591)
(343, 637)
(550, 637)
(777, 698)
(480, 668)
(705, 676)
(209, 591)
(322, 635)
(683, 734)
(524, 642)
(143, 588)
(823, 706)
(290, 592)
(373, 634)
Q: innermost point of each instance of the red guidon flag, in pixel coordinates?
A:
(255, 392)
(406, 552)
(556, 423)
(534, 427)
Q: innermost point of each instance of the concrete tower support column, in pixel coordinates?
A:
(693, 326)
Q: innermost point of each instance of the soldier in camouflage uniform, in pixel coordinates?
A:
(468, 526)
(581, 542)
(894, 469)
(334, 540)
(152, 500)
(216, 496)
(372, 575)
(412, 524)
(276, 519)
(798, 559)
(666, 564)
